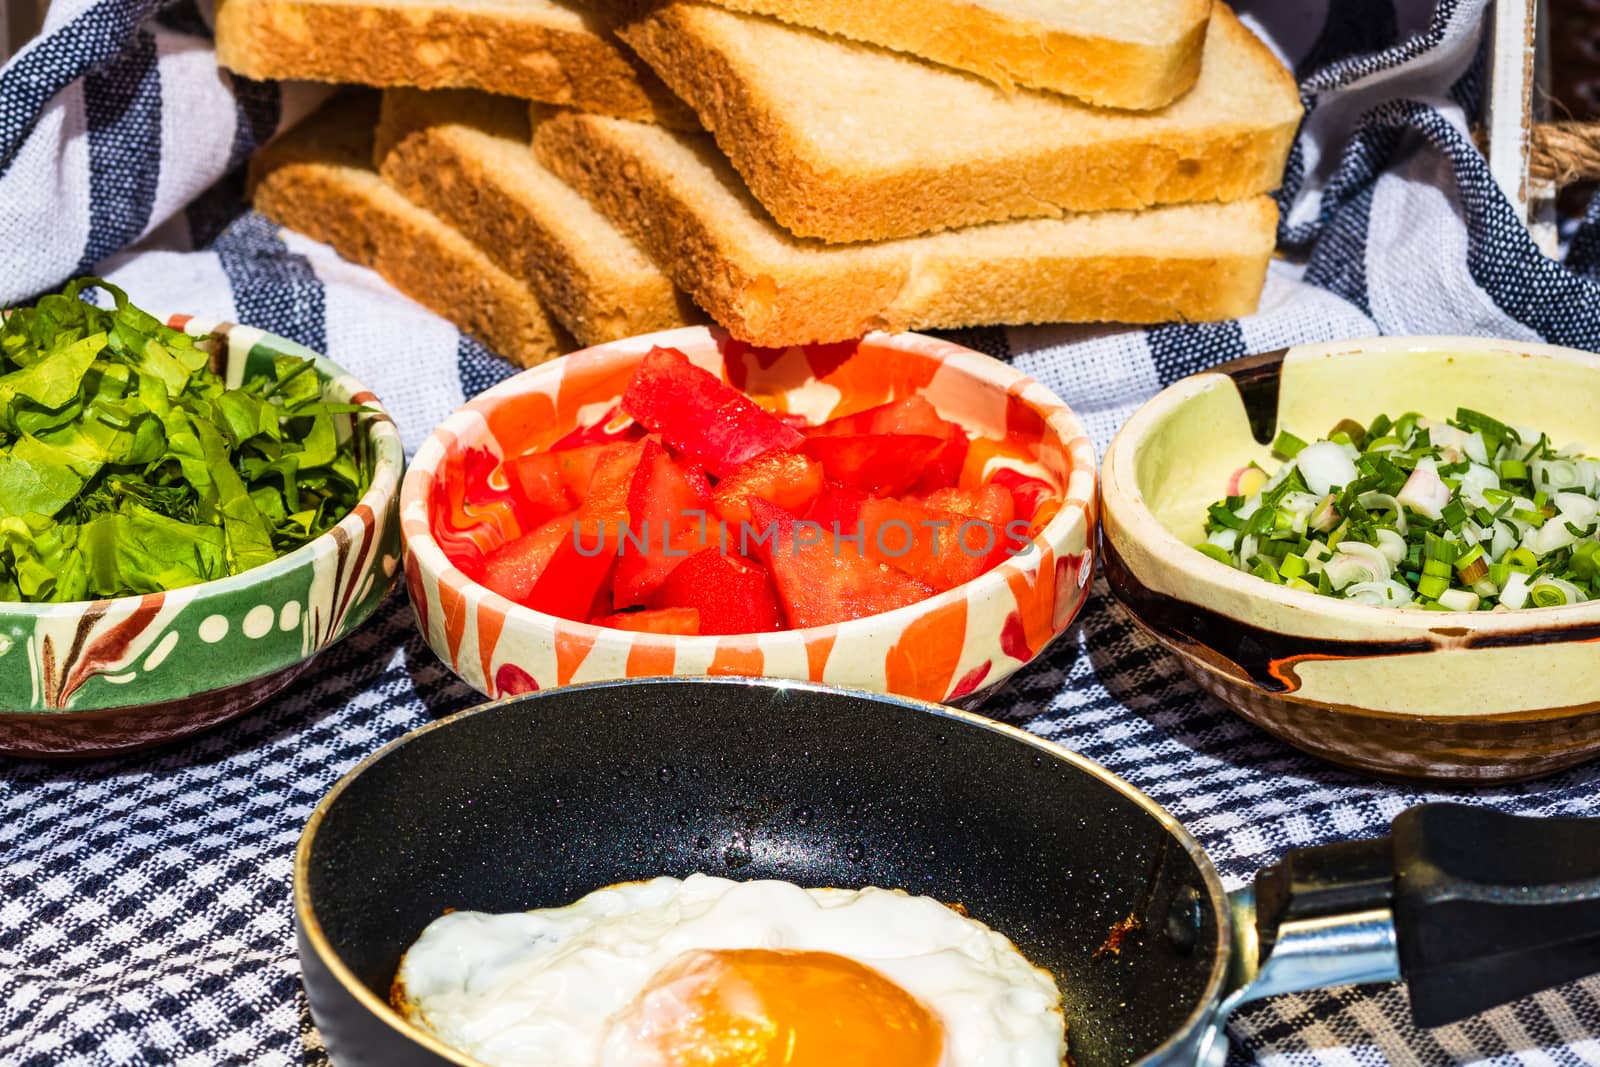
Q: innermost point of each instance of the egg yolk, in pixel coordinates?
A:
(774, 1008)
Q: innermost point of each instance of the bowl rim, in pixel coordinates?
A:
(1119, 493)
(317, 939)
(1079, 508)
(388, 465)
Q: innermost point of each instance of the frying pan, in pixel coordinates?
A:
(536, 801)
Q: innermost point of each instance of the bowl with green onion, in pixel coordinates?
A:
(1385, 552)
(189, 512)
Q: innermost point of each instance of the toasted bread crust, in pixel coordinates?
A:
(460, 172)
(842, 200)
(440, 47)
(1011, 51)
(772, 297)
(313, 182)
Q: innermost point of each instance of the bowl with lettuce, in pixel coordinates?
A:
(1386, 552)
(189, 512)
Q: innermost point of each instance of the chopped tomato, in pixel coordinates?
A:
(701, 416)
(667, 504)
(579, 570)
(991, 503)
(787, 479)
(732, 594)
(512, 569)
(541, 489)
(909, 415)
(941, 548)
(837, 509)
(1027, 491)
(879, 464)
(823, 581)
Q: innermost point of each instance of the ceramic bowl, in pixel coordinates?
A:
(1468, 696)
(95, 677)
(951, 646)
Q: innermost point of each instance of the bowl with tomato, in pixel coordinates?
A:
(897, 513)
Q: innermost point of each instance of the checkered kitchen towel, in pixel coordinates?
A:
(144, 901)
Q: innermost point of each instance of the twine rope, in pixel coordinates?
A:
(1565, 152)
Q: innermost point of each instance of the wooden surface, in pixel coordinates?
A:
(19, 21)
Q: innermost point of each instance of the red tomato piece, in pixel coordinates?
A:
(512, 569)
(909, 415)
(940, 548)
(576, 466)
(667, 504)
(878, 464)
(580, 568)
(823, 581)
(837, 509)
(1028, 492)
(537, 480)
(614, 426)
(787, 479)
(991, 503)
(732, 594)
(654, 621)
(573, 580)
(607, 495)
(701, 416)
(944, 469)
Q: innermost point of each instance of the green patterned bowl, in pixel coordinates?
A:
(95, 677)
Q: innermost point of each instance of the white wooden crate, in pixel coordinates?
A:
(1516, 100)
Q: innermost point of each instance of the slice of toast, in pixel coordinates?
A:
(677, 196)
(544, 50)
(848, 142)
(467, 158)
(1141, 55)
(318, 179)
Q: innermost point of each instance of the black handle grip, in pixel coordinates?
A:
(1322, 880)
(1489, 907)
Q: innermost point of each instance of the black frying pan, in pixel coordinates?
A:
(534, 802)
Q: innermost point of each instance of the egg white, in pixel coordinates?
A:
(539, 987)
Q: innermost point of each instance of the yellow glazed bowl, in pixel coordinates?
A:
(955, 646)
(1468, 696)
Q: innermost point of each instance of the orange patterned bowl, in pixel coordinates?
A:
(953, 646)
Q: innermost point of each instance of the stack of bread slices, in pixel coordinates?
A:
(549, 176)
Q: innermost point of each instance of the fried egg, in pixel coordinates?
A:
(707, 972)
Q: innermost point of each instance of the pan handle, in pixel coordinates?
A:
(1486, 907)
(1490, 907)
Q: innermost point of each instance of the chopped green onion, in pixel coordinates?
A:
(1547, 596)
(1417, 500)
(1436, 547)
(1286, 445)
(1222, 516)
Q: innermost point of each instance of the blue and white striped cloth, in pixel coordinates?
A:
(144, 901)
